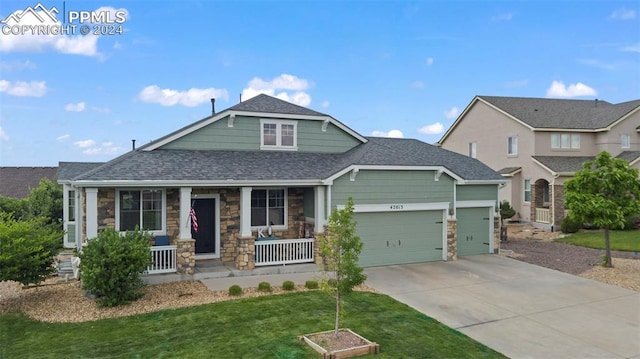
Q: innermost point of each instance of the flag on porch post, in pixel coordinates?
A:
(194, 219)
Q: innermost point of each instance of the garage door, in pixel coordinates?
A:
(473, 231)
(399, 237)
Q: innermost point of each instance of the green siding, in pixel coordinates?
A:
(477, 192)
(245, 135)
(399, 237)
(473, 231)
(382, 187)
(309, 203)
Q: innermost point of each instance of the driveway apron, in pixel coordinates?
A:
(519, 309)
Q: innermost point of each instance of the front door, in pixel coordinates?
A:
(206, 234)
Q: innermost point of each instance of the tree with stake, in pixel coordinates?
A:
(340, 248)
(605, 192)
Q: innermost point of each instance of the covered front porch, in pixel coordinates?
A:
(547, 206)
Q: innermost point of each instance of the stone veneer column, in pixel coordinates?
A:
(496, 234)
(186, 256)
(558, 206)
(246, 249)
(452, 245)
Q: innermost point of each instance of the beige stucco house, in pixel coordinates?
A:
(538, 143)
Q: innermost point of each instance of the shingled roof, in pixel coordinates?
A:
(69, 170)
(562, 113)
(191, 165)
(269, 104)
(16, 182)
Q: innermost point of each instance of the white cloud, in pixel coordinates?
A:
(623, 14)
(84, 143)
(429, 61)
(105, 148)
(325, 104)
(452, 113)
(433, 129)
(23, 88)
(417, 84)
(285, 87)
(3, 135)
(558, 89)
(391, 134)
(63, 137)
(502, 17)
(632, 48)
(11, 66)
(74, 44)
(190, 98)
(75, 107)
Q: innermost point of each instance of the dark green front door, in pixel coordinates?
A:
(473, 231)
(400, 237)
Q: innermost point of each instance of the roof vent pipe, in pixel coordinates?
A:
(133, 145)
(596, 102)
(213, 106)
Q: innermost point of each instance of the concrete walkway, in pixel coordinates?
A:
(519, 309)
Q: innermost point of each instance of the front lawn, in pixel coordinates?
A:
(620, 240)
(263, 327)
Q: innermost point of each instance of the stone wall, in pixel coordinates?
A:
(186, 256)
(452, 246)
(246, 250)
(558, 206)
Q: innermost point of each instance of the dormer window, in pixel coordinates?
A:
(278, 135)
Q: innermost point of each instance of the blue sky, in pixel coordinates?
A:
(383, 68)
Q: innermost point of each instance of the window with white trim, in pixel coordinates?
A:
(278, 134)
(142, 208)
(472, 149)
(71, 206)
(625, 140)
(268, 206)
(527, 190)
(512, 145)
(565, 141)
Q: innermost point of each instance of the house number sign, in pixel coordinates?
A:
(396, 207)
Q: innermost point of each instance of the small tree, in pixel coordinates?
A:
(506, 211)
(112, 265)
(45, 201)
(27, 249)
(340, 248)
(605, 192)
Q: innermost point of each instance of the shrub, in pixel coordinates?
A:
(570, 225)
(264, 287)
(288, 285)
(112, 264)
(311, 284)
(235, 290)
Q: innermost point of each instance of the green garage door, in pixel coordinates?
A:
(399, 237)
(473, 231)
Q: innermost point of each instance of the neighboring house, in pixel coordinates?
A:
(17, 182)
(268, 165)
(537, 144)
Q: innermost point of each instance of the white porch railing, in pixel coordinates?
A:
(543, 215)
(164, 260)
(284, 251)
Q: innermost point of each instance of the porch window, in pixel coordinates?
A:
(527, 190)
(625, 140)
(141, 208)
(278, 134)
(512, 146)
(71, 206)
(268, 206)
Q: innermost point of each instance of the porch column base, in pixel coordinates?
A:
(186, 256)
(246, 253)
(452, 245)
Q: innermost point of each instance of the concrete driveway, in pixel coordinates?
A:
(519, 309)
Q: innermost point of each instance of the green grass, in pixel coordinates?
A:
(263, 327)
(619, 240)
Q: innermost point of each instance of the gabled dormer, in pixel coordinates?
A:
(264, 123)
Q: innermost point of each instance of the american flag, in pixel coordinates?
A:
(194, 219)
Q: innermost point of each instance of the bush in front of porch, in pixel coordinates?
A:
(112, 264)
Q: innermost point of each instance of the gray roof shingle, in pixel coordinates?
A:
(16, 182)
(266, 103)
(508, 170)
(189, 165)
(564, 164)
(69, 170)
(629, 156)
(561, 113)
